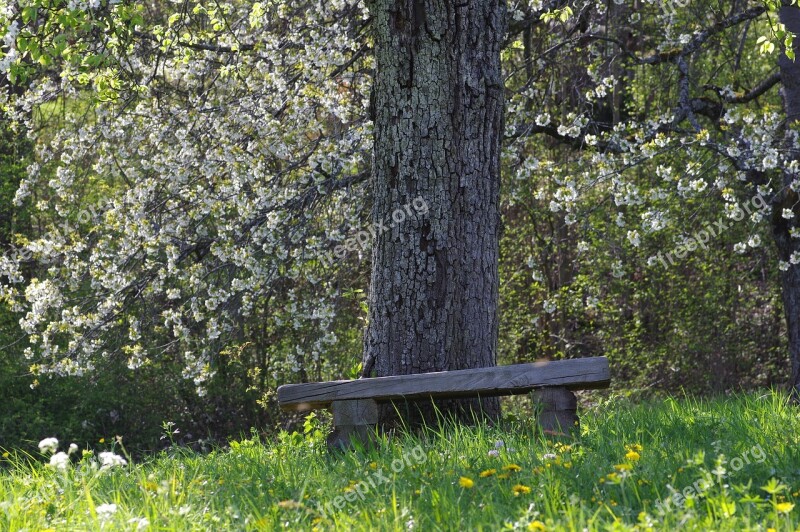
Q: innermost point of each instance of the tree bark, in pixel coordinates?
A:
(788, 198)
(438, 98)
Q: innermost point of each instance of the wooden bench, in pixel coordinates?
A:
(355, 403)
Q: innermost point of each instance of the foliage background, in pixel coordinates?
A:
(266, 126)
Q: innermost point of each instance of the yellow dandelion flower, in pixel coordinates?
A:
(623, 467)
(567, 465)
(635, 447)
(536, 525)
(512, 467)
(102, 440)
(632, 456)
(487, 473)
(520, 489)
(373, 465)
(465, 482)
(612, 477)
(5, 454)
(784, 507)
(771, 530)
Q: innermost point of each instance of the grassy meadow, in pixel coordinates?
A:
(662, 464)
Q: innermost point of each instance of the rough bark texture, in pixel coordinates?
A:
(438, 123)
(788, 199)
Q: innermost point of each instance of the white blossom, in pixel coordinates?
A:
(542, 119)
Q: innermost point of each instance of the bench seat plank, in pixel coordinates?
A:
(573, 374)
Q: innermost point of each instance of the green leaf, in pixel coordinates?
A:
(28, 14)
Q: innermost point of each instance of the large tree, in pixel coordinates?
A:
(438, 95)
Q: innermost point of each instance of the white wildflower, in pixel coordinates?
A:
(141, 522)
(59, 461)
(106, 511)
(48, 445)
(109, 460)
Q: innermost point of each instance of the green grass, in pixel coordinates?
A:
(740, 445)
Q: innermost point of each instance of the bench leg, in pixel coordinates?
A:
(353, 420)
(558, 409)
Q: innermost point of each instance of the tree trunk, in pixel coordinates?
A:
(438, 99)
(788, 198)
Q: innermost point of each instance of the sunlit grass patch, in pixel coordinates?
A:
(725, 464)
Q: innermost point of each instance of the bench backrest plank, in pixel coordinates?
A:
(579, 373)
